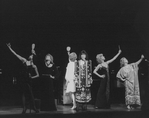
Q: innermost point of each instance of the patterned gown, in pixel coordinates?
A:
(84, 80)
(132, 92)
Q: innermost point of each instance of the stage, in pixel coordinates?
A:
(116, 111)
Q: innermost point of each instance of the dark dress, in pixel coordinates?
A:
(47, 89)
(102, 100)
(25, 86)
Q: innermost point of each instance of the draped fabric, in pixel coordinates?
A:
(130, 74)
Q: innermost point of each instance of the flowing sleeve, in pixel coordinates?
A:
(135, 66)
(121, 74)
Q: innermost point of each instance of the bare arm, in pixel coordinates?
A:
(95, 71)
(139, 61)
(18, 56)
(111, 60)
(33, 49)
(37, 73)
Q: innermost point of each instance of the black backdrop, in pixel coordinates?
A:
(98, 26)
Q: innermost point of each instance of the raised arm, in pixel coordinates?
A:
(95, 71)
(111, 60)
(33, 49)
(139, 61)
(68, 51)
(18, 56)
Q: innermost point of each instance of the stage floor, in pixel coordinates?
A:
(117, 110)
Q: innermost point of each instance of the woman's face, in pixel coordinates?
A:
(83, 56)
(48, 60)
(125, 61)
(103, 58)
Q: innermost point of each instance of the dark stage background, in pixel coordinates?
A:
(97, 26)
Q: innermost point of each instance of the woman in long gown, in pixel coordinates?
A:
(47, 89)
(70, 76)
(129, 75)
(84, 79)
(29, 72)
(102, 71)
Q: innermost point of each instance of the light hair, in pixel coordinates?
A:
(99, 58)
(51, 57)
(72, 56)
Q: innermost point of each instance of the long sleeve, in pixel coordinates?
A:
(121, 74)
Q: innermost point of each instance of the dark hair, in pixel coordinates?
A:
(83, 52)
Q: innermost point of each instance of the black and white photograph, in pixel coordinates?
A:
(74, 58)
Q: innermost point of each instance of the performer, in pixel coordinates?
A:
(102, 71)
(84, 80)
(129, 75)
(70, 76)
(47, 89)
(30, 71)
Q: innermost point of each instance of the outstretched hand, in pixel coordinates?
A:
(119, 49)
(33, 46)
(142, 56)
(68, 48)
(8, 44)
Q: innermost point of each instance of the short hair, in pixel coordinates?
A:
(98, 58)
(72, 56)
(123, 60)
(51, 58)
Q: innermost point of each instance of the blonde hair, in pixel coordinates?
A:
(72, 56)
(99, 58)
(123, 61)
(51, 57)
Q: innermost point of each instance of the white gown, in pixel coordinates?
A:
(70, 77)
